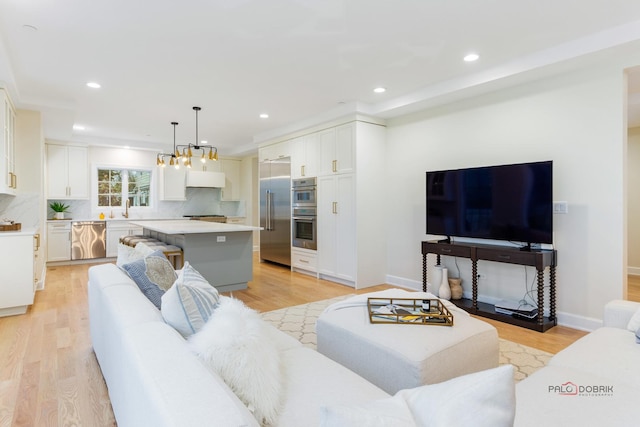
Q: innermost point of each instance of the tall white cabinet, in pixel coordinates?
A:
(67, 172)
(351, 204)
(8, 177)
(17, 262)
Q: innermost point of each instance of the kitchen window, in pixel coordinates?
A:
(115, 186)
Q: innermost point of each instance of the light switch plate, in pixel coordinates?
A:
(221, 239)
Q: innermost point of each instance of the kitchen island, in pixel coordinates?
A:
(222, 253)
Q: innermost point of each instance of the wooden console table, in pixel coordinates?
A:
(540, 259)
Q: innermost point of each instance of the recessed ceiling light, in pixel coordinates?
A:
(380, 90)
(471, 57)
(78, 127)
(94, 85)
(264, 116)
(203, 142)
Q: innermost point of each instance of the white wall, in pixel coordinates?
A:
(633, 192)
(574, 120)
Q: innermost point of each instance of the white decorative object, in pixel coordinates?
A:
(58, 215)
(436, 279)
(445, 291)
(237, 345)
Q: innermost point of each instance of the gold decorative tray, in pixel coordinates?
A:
(409, 311)
(11, 227)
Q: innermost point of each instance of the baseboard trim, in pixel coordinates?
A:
(633, 271)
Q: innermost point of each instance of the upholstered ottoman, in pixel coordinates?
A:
(397, 356)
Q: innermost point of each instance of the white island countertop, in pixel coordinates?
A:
(185, 226)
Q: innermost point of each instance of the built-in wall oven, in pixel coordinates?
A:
(303, 214)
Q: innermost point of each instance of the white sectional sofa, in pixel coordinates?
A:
(593, 382)
(155, 380)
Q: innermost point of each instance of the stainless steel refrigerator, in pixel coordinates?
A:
(275, 210)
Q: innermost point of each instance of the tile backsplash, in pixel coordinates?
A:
(22, 208)
(200, 201)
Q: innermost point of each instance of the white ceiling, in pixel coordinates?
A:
(297, 60)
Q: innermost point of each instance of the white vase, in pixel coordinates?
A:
(445, 291)
(59, 215)
(436, 279)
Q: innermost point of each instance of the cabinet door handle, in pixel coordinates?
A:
(334, 208)
(302, 170)
(504, 256)
(334, 166)
(37, 238)
(15, 181)
(445, 250)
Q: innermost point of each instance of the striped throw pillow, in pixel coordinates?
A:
(189, 303)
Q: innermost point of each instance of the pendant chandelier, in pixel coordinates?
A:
(174, 159)
(186, 151)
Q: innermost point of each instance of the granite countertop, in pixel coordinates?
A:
(181, 226)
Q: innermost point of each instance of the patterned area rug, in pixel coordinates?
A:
(300, 322)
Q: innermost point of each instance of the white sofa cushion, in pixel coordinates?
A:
(607, 352)
(481, 399)
(540, 402)
(190, 301)
(312, 380)
(235, 344)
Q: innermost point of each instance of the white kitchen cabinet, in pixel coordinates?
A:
(17, 263)
(274, 151)
(172, 183)
(304, 156)
(304, 261)
(231, 189)
(117, 229)
(337, 227)
(337, 150)
(67, 172)
(352, 217)
(59, 241)
(9, 180)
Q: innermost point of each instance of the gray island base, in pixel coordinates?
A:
(222, 253)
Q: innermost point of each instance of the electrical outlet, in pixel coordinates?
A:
(560, 207)
(221, 239)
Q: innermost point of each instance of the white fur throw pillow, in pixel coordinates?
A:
(235, 344)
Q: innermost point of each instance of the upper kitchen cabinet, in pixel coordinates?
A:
(231, 189)
(304, 156)
(9, 181)
(67, 172)
(173, 183)
(337, 150)
(274, 151)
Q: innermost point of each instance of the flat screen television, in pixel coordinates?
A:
(506, 202)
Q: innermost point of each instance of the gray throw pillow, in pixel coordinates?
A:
(153, 274)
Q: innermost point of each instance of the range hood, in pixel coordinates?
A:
(205, 179)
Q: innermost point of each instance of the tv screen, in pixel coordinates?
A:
(506, 202)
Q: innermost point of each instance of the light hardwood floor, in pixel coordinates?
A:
(49, 375)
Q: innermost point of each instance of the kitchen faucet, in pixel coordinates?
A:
(126, 209)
